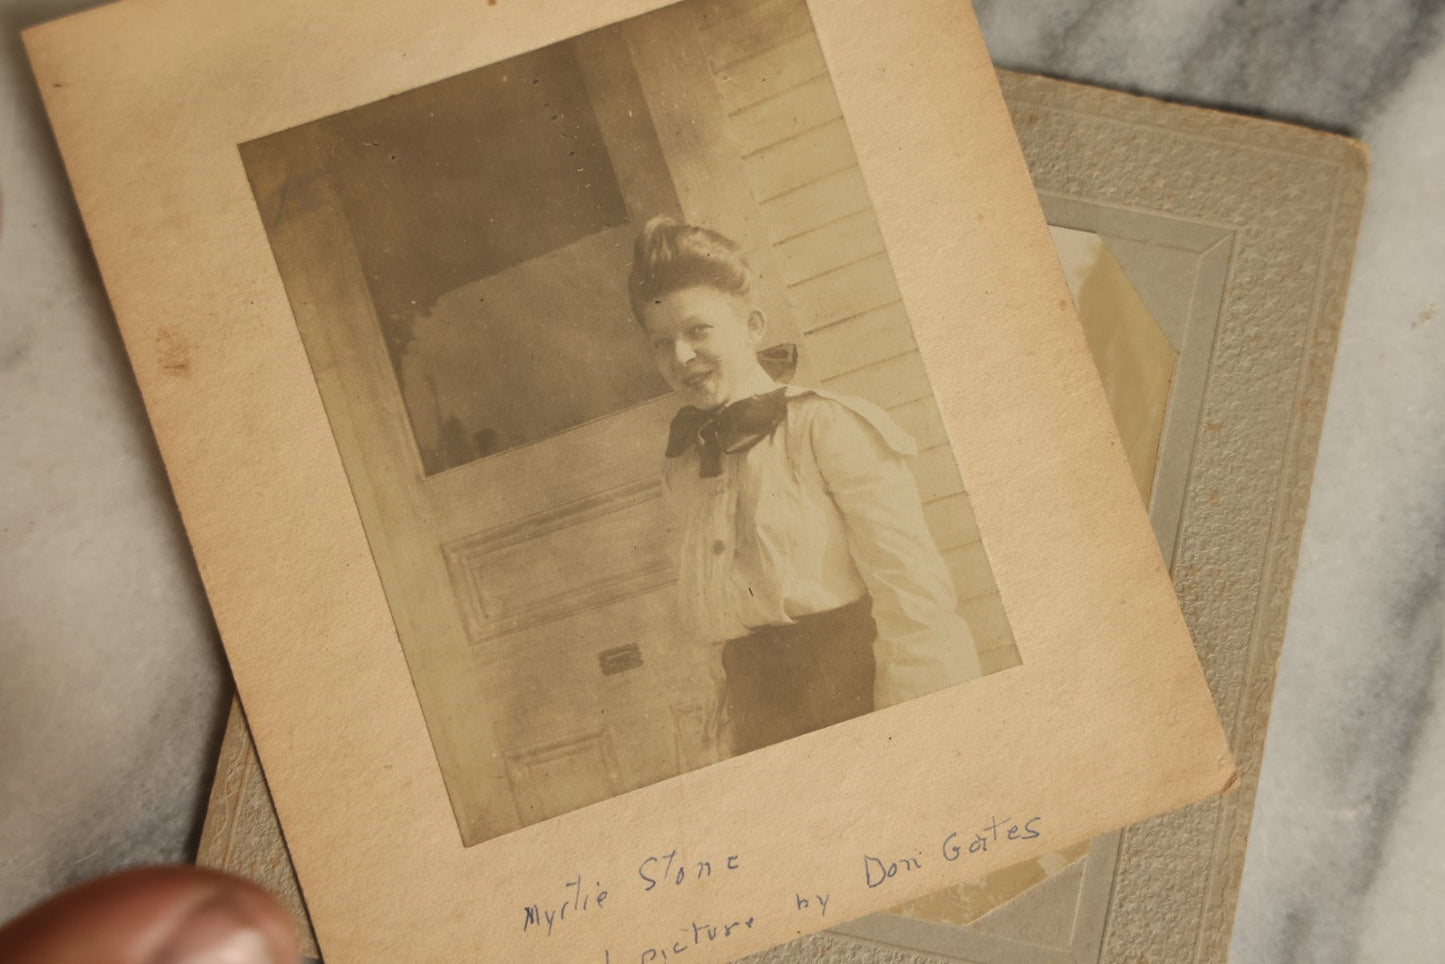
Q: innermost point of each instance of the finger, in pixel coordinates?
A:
(154, 915)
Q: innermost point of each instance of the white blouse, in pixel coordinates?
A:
(809, 519)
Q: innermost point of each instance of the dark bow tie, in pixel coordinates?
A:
(732, 428)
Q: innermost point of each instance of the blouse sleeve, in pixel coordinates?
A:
(923, 644)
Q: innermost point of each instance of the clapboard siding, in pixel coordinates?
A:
(888, 383)
(1005, 656)
(848, 240)
(770, 72)
(986, 619)
(936, 473)
(735, 31)
(788, 129)
(817, 203)
(972, 577)
(800, 160)
(864, 340)
(844, 292)
(920, 418)
(809, 105)
(950, 521)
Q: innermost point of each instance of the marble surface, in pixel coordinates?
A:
(113, 688)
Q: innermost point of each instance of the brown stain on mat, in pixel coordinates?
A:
(173, 353)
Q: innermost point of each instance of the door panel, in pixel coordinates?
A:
(583, 554)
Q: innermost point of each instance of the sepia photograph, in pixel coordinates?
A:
(630, 431)
(630, 406)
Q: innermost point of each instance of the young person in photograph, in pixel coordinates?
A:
(806, 571)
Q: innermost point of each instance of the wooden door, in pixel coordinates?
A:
(530, 585)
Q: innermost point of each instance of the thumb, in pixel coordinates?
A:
(154, 915)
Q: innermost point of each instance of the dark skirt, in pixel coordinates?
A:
(783, 681)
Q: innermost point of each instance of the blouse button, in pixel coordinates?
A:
(719, 547)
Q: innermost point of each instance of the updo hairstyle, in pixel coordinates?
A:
(669, 256)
